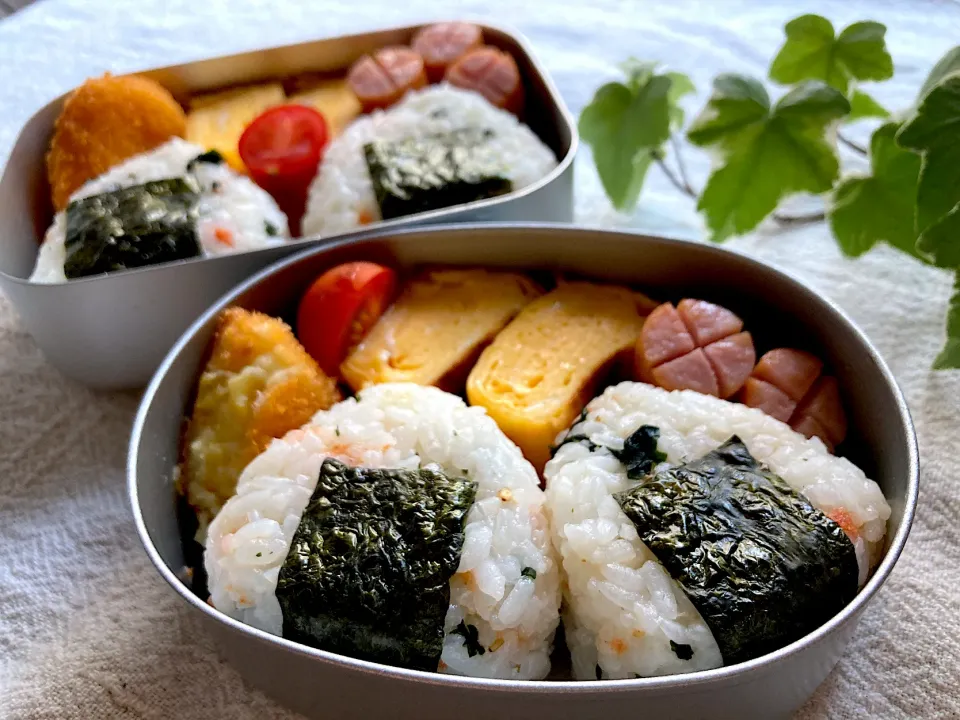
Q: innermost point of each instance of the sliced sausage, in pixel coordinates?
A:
(688, 372)
(787, 384)
(664, 337)
(708, 322)
(491, 72)
(731, 359)
(793, 371)
(822, 404)
(379, 81)
(697, 346)
(811, 428)
(769, 398)
(443, 43)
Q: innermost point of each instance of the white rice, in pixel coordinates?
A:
(342, 192)
(622, 609)
(228, 201)
(405, 426)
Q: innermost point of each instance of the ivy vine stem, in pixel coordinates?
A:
(856, 147)
(813, 217)
(681, 182)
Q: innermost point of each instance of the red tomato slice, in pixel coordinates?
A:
(282, 148)
(340, 307)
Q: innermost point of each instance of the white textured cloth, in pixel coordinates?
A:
(89, 630)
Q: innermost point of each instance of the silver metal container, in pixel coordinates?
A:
(775, 307)
(112, 331)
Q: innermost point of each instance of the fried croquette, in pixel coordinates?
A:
(258, 384)
(104, 122)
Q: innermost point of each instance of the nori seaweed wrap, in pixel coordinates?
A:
(131, 227)
(368, 571)
(759, 562)
(437, 171)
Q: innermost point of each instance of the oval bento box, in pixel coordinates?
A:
(111, 331)
(322, 684)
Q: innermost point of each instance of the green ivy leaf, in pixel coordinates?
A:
(934, 130)
(680, 86)
(813, 52)
(625, 129)
(941, 241)
(949, 357)
(879, 207)
(863, 106)
(947, 65)
(626, 124)
(764, 153)
(637, 72)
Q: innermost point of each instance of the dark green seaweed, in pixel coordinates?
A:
(212, 157)
(368, 570)
(761, 564)
(471, 638)
(437, 171)
(640, 454)
(132, 227)
(682, 650)
(575, 438)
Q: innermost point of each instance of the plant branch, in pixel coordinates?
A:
(679, 184)
(856, 147)
(680, 164)
(682, 183)
(800, 219)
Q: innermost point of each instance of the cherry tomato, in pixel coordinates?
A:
(282, 148)
(339, 309)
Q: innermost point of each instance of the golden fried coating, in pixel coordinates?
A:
(258, 384)
(104, 122)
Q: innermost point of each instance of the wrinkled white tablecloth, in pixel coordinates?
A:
(89, 630)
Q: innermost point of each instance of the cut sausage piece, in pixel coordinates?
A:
(443, 43)
(695, 346)
(688, 372)
(769, 398)
(492, 73)
(664, 337)
(793, 371)
(732, 359)
(811, 428)
(787, 385)
(371, 84)
(708, 322)
(381, 80)
(823, 405)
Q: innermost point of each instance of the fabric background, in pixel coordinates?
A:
(88, 629)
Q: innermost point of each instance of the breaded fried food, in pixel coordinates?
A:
(104, 122)
(258, 384)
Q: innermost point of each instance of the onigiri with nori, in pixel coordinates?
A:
(650, 489)
(326, 506)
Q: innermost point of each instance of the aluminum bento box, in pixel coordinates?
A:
(321, 684)
(112, 331)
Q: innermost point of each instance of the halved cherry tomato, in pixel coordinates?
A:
(339, 309)
(282, 148)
